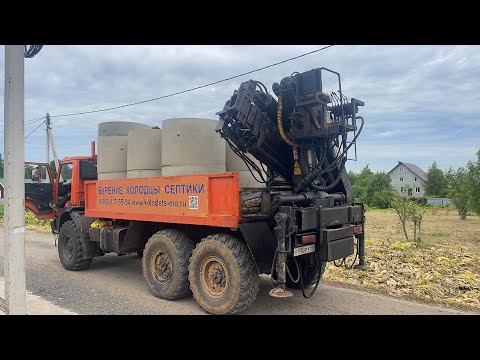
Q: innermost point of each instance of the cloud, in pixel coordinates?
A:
(421, 101)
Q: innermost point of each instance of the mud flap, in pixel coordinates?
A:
(261, 243)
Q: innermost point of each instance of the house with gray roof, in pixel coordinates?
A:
(408, 179)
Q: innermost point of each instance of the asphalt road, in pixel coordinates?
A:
(115, 285)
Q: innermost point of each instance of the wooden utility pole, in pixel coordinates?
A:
(51, 143)
(47, 123)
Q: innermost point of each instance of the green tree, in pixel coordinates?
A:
(373, 189)
(473, 169)
(408, 209)
(436, 184)
(459, 191)
(379, 192)
(352, 176)
(416, 212)
(449, 176)
(52, 169)
(28, 171)
(66, 171)
(402, 206)
(360, 183)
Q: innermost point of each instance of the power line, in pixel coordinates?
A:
(31, 121)
(195, 88)
(34, 120)
(28, 122)
(35, 129)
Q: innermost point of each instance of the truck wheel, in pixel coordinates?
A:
(223, 275)
(70, 247)
(310, 274)
(165, 263)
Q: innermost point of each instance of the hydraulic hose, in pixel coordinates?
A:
(298, 274)
(280, 124)
(319, 273)
(308, 179)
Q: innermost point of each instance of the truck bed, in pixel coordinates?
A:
(203, 199)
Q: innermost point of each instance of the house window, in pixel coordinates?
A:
(402, 169)
(415, 178)
(417, 189)
(401, 178)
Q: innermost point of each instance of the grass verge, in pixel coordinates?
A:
(31, 222)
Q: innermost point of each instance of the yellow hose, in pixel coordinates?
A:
(280, 125)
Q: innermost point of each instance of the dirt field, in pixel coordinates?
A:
(443, 267)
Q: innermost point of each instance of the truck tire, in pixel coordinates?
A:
(310, 275)
(165, 263)
(223, 275)
(70, 247)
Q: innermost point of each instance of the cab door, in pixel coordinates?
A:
(39, 185)
(64, 186)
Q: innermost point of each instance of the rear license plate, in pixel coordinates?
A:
(304, 250)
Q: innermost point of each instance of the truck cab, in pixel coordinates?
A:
(48, 198)
(39, 191)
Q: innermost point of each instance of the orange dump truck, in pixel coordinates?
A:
(204, 234)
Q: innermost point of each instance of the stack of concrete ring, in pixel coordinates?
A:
(183, 146)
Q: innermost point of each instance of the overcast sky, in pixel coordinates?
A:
(421, 102)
